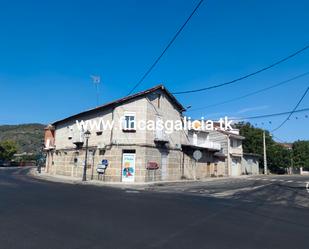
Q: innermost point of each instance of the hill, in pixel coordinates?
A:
(28, 137)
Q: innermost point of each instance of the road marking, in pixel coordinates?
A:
(236, 191)
(281, 180)
(290, 181)
(273, 180)
(132, 191)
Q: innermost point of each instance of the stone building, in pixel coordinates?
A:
(231, 150)
(133, 154)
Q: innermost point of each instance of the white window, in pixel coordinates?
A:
(194, 139)
(235, 143)
(129, 121)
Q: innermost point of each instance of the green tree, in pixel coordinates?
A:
(277, 155)
(7, 150)
(301, 154)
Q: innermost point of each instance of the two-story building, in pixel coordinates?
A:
(132, 154)
(231, 150)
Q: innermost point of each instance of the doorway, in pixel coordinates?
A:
(235, 167)
(164, 166)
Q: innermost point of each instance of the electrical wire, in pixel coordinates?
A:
(293, 111)
(271, 115)
(246, 76)
(166, 48)
(250, 94)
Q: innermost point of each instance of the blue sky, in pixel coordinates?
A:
(48, 50)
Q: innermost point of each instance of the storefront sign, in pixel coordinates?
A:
(152, 165)
(128, 167)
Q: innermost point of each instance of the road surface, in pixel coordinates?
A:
(250, 212)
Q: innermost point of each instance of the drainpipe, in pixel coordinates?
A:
(112, 129)
(183, 166)
(228, 156)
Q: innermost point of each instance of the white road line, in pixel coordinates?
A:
(236, 191)
(273, 180)
(290, 181)
(132, 191)
(281, 180)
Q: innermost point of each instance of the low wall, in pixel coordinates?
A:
(303, 172)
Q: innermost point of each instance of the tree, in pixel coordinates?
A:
(301, 154)
(277, 155)
(7, 150)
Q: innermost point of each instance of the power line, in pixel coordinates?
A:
(166, 48)
(271, 115)
(246, 76)
(281, 140)
(252, 93)
(298, 103)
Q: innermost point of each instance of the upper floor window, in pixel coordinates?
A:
(129, 122)
(235, 143)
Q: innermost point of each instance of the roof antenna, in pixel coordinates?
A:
(96, 81)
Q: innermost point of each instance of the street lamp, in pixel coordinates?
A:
(87, 136)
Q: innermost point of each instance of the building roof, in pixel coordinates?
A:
(231, 134)
(287, 145)
(126, 99)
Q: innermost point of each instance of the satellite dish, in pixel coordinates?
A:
(197, 154)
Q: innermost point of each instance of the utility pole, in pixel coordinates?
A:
(264, 150)
(291, 156)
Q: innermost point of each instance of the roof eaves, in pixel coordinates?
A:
(124, 99)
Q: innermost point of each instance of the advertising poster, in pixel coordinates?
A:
(128, 167)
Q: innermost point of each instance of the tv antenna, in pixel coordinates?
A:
(96, 81)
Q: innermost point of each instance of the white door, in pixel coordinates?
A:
(235, 167)
(164, 169)
(128, 167)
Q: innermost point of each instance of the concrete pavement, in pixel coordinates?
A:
(257, 214)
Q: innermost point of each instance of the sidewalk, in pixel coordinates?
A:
(135, 185)
(74, 180)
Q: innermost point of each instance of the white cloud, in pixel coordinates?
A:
(250, 109)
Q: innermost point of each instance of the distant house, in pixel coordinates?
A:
(250, 164)
(137, 155)
(231, 150)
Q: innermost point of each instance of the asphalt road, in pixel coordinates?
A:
(255, 212)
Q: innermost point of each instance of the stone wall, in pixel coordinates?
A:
(68, 160)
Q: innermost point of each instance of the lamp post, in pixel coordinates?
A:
(87, 136)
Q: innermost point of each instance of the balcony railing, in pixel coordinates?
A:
(206, 144)
(236, 150)
(210, 145)
(160, 136)
(78, 138)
